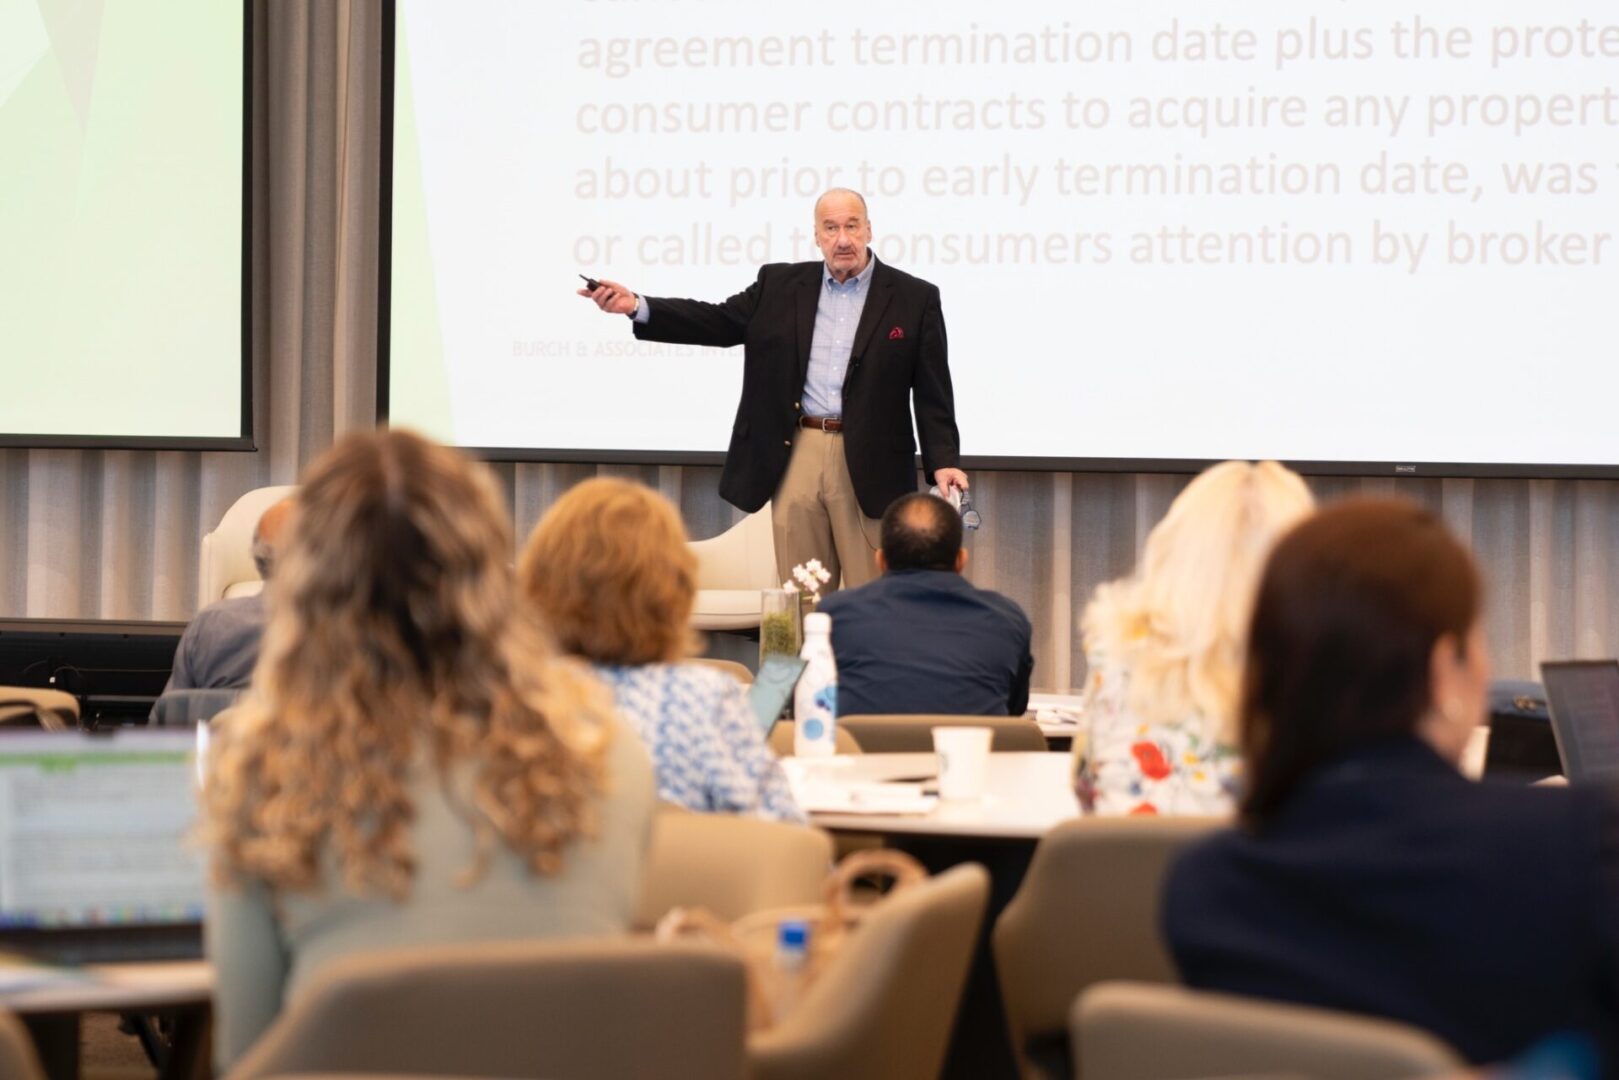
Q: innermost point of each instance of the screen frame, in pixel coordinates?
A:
(245, 440)
(978, 462)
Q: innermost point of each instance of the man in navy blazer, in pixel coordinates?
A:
(921, 638)
(835, 352)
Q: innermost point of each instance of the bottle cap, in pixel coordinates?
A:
(817, 622)
(793, 934)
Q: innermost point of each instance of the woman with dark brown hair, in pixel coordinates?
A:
(1367, 874)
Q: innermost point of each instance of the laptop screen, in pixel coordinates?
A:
(1584, 700)
(771, 688)
(95, 829)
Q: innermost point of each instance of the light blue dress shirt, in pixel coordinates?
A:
(837, 315)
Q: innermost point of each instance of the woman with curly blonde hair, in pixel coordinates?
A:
(1165, 647)
(609, 568)
(414, 763)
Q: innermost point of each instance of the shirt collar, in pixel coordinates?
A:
(858, 281)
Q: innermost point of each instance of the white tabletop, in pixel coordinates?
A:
(118, 986)
(1025, 795)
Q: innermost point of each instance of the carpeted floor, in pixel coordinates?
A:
(109, 1054)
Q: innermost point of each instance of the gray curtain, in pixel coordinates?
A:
(114, 535)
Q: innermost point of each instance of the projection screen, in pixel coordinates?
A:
(123, 225)
(1373, 237)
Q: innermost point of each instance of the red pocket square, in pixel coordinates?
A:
(896, 334)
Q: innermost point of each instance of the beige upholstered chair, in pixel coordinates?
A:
(781, 739)
(735, 670)
(1139, 1031)
(883, 1009)
(1087, 911)
(732, 569)
(914, 734)
(604, 1007)
(227, 553)
(53, 709)
(17, 1058)
(730, 865)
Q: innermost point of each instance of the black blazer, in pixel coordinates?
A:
(1389, 885)
(899, 353)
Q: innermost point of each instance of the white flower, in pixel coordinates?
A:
(823, 575)
(814, 567)
(805, 578)
(789, 587)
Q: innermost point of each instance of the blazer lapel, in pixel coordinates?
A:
(882, 291)
(808, 299)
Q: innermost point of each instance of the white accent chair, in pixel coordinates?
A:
(227, 553)
(732, 569)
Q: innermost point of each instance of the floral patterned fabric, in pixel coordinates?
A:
(704, 740)
(1125, 766)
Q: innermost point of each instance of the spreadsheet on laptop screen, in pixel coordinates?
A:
(96, 830)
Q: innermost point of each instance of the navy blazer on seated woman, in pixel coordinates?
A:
(1367, 874)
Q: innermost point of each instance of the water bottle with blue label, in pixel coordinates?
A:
(815, 699)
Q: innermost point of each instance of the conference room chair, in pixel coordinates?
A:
(732, 569)
(226, 566)
(1140, 1031)
(903, 734)
(188, 708)
(780, 739)
(609, 1008)
(53, 710)
(883, 1008)
(730, 865)
(735, 670)
(17, 1058)
(1086, 912)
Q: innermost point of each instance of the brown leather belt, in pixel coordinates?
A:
(821, 423)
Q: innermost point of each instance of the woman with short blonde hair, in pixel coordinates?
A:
(1165, 646)
(609, 569)
(414, 763)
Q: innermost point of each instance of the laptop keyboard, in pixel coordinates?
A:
(123, 945)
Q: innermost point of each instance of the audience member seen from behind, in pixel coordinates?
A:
(1158, 729)
(609, 569)
(922, 638)
(221, 645)
(1368, 875)
(414, 764)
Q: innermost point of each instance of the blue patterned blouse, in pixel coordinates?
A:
(704, 740)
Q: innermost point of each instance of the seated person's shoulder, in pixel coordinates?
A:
(1200, 866)
(707, 681)
(692, 685)
(1009, 608)
(1538, 816)
(843, 600)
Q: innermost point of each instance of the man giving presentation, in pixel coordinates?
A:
(834, 353)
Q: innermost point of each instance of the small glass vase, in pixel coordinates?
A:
(781, 630)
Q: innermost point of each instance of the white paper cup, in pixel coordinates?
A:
(963, 761)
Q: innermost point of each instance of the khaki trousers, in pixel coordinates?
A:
(815, 514)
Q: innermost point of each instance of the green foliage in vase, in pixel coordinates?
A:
(778, 633)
